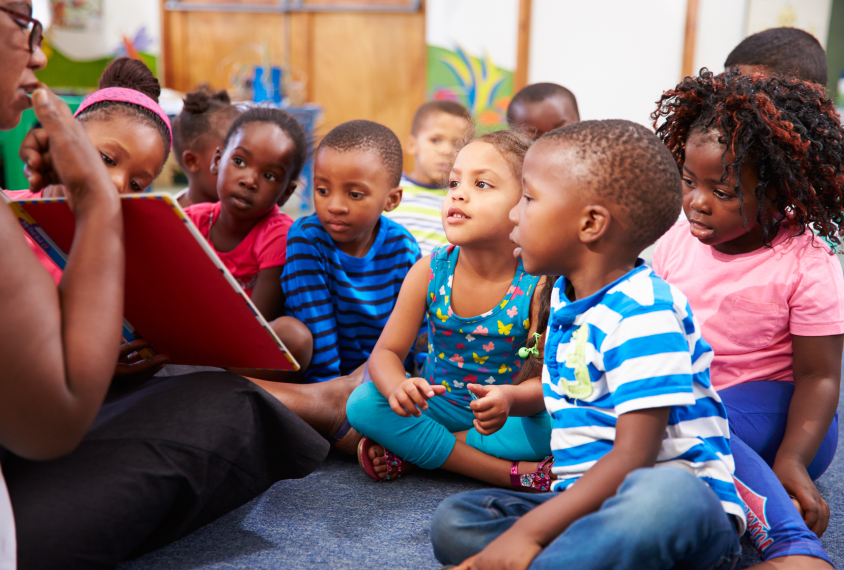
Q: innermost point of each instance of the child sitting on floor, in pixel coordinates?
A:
(129, 130)
(640, 437)
(346, 262)
(542, 107)
(198, 132)
(256, 168)
(481, 309)
(438, 126)
(761, 162)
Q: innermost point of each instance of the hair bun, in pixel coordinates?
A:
(131, 74)
(203, 99)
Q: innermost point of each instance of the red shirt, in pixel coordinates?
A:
(264, 247)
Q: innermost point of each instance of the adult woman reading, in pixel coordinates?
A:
(163, 456)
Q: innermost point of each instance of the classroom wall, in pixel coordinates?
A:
(356, 65)
(616, 56)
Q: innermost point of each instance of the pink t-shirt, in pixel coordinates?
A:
(45, 260)
(264, 247)
(750, 304)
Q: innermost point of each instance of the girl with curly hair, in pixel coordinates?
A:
(761, 163)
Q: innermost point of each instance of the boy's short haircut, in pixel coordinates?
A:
(368, 136)
(629, 165)
(432, 107)
(785, 51)
(539, 92)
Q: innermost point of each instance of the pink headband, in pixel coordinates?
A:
(122, 95)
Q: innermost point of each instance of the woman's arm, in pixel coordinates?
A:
(386, 363)
(817, 377)
(59, 348)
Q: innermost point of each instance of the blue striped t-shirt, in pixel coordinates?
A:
(634, 345)
(344, 301)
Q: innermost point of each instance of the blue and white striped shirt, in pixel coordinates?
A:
(634, 345)
(344, 301)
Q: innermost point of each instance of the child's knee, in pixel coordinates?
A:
(449, 525)
(363, 406)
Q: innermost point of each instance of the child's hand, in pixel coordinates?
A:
(412, 395)
(491, 409)
(504, 553)
(132, 365)
(793, 476)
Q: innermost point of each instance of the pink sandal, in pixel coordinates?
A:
(539, 480)
(393, 461)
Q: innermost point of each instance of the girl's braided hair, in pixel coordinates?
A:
(786, 129)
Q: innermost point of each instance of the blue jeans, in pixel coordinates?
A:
(660, 517)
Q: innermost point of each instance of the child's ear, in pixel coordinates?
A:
(393, 199)
(594, 223)
(412, 145)
(191, 161)
(215, 161)
(288, 192)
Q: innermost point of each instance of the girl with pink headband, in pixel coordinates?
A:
(128, 128)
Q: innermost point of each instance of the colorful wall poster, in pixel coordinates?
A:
(472, 51)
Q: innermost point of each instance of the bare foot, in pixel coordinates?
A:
(377, 454)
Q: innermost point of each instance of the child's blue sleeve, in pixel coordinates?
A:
(307, 297)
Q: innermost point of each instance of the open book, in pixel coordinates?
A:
(179, 295)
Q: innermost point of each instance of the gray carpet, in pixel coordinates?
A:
(338, 518)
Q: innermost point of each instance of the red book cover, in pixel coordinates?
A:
(179, 295)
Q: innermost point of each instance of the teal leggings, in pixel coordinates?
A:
(427, 441)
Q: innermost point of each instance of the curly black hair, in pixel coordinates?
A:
(370, 137)
(786, 129)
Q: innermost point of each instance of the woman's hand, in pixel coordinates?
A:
(491, 409)
(411, 397)
(61, 152)
(792, 474)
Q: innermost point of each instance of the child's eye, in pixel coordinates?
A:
(453, 183)
(721, 194)
(482, 184)
(270, 176)
(238, 161)
(527, 198)
(436, 141)
(356, 195)
(107, 159)
(135, 186)
(687, 181)
(322, 191)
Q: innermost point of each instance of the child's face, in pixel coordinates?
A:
(351, 190)
(712, 205)
(481, 192)
(434, 145)
(198, 160)
(539, 117)
(132, 151)
(547, 216)
(254, 170)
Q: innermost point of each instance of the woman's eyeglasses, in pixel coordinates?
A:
(36, 30)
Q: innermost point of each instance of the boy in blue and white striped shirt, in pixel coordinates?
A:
(346, 263)
(640, 438)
